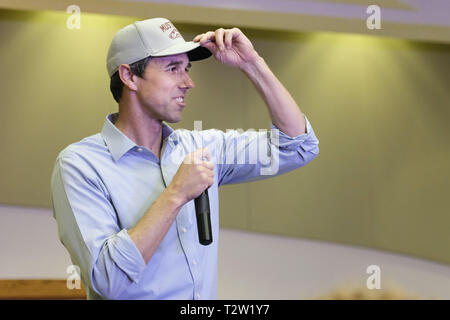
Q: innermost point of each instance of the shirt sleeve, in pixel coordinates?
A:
(108, 259)
(251, 155)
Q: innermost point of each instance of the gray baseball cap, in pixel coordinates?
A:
(152, 37)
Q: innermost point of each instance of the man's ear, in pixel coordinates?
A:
(127, 77)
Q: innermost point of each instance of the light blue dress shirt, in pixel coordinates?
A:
(104, 184)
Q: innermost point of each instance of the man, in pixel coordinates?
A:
(123, 198)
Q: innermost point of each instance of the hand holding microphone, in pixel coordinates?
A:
(191, 181)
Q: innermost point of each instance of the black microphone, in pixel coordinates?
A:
(203, 218)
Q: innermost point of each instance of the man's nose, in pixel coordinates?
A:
(187, 81)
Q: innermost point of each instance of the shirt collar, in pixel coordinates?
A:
(117, 142)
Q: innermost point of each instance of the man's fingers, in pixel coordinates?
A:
(228, 38)
(198, 156)
(207, 40)
(207, 36)
(204, 154)
(208, 164)
(219, 38)
(198, 37)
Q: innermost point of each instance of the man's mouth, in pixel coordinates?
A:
(180, 101)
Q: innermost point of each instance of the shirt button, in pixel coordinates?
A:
(198, 296)
(194, 262)
(184, 230)
(139, 149)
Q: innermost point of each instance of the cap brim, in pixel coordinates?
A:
(194, 51)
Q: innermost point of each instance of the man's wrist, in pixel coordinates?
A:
(251, 68)
(174, 197)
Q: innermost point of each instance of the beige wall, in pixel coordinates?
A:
(380, 108)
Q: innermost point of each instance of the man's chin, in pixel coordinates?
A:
(173, 120)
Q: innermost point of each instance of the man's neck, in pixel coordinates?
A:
(141, 129)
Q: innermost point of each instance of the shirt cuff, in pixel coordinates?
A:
(308, 141)
(126, 255)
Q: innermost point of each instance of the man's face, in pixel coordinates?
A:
(164, 86)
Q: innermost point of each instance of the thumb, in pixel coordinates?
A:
(197, 156)
(211, 46)
(202, 154)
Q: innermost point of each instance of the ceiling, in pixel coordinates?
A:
(425, 20)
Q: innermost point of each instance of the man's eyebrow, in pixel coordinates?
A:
(176, 63)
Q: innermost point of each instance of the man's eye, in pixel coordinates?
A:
(177, 69)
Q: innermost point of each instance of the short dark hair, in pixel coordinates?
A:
(116, 84)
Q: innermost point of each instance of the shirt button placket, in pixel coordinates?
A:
(186, 242)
